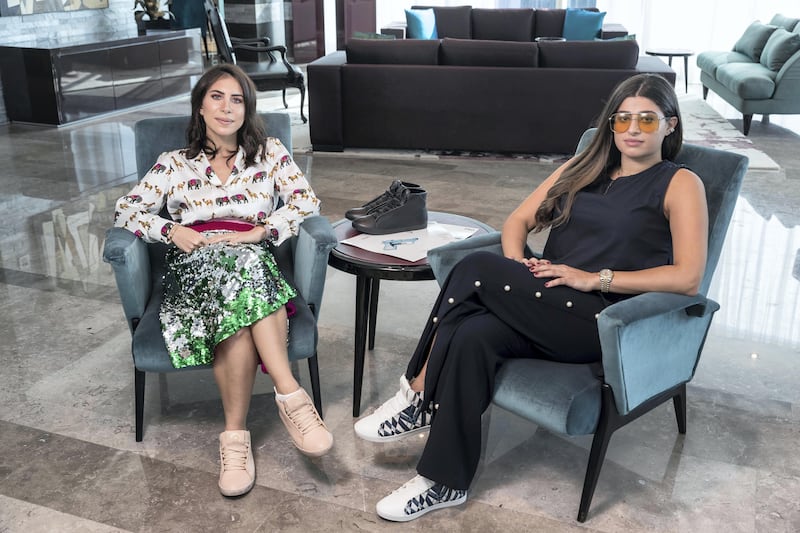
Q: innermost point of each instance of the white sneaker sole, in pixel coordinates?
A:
(408, 518)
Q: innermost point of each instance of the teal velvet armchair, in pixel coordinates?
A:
(651, 343)
(139, 268)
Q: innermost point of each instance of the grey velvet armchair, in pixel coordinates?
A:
(651, 343)
(139, 268)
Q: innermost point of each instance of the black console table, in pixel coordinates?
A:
(58, 82)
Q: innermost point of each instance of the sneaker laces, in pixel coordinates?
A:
(417, 482)
(304, 417)
(234, 457)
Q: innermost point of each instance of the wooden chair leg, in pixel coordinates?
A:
(596, 456)
(302, 88)
(138, 386)
(313, 370)
(679, 401)
(705, 92)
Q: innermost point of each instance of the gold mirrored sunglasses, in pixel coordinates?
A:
(621, 122)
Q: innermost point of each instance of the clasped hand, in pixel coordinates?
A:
(190, 240)
(561, 274)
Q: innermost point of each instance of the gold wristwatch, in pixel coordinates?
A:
(606, 275)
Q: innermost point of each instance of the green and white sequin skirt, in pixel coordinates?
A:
(215, 291)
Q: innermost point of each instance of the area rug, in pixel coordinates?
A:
(705, 127)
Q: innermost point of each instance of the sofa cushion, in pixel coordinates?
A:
(710, 61)
(752, 41)
(590, 54)
(452, 21)
(421, 24)
(750, 81)
(781, 46)
(475, 53)
(390, 52)
(784, 22)
(502, 24)
(582, 25)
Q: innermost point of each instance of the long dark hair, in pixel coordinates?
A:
(602, 154)
(251, 136)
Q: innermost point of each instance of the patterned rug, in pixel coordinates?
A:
(705, 127)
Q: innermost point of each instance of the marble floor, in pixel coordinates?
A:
(69, 461)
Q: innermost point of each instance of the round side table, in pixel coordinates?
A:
(669, 53)
(369, 268)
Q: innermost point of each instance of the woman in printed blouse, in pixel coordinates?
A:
(225, 300)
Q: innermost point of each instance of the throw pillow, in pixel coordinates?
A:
(782, 21)
(752, 41)
(582, 25)
(780, 46)
(421, 24)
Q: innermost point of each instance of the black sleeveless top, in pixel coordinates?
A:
(617, 224)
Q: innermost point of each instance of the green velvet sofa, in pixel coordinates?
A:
(761, 75)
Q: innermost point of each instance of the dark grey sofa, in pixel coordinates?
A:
(466, 94)
(523, 24)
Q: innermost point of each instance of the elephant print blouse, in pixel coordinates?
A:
(192, 193)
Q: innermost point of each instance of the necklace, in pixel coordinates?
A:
(613, 178)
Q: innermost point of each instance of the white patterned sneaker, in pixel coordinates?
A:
(417, 497)
(400, 416)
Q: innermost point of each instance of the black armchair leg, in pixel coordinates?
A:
(313, 370)
(602, 437)
(285, 105)
(138, 386)
(679, 401)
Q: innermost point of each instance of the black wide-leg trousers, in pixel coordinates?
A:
(490, 309)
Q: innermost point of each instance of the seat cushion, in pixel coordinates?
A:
(753, 40)
(390, 52)
(471, 52)
(589, 54)
(561, 397)
(751, 81)
(780, 46)
(710, 61)
(502, 24)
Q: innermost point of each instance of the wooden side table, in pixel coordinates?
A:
(669, 53)
(369, 268)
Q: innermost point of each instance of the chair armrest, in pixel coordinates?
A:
(235, 41)
(128, 256)
(314, 242)
(259, 47)
(443, 258)
(652, 342)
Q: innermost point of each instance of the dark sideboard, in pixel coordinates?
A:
(56, 83)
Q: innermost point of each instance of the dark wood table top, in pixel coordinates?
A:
(358, 261)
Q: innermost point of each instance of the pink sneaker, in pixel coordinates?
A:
(306, 428)
(237, 473)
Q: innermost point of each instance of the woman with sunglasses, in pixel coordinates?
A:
(623, 220)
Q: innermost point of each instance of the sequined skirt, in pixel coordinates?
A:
(215, 291)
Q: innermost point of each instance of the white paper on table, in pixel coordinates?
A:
(411, 245)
